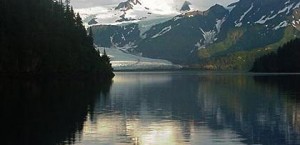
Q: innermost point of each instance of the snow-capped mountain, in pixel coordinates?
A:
(128, 5)
(219, 38)
(167, 38)
(254, 23)
(131, 11)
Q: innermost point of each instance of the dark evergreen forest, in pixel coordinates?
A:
(287, 59)
(39, 37)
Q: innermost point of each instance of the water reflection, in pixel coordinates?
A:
(46, 112)
(153, 108)
(196, 108)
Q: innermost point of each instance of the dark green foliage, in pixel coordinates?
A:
(46, 37)
(285, 60)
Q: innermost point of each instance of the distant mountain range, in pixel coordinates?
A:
(221, 38)
(131, 11)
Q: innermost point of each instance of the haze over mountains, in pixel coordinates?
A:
(220, 38)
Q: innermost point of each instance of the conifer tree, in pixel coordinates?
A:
(44, 37)
(285, 60)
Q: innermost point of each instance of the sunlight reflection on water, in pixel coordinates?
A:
(191, 108)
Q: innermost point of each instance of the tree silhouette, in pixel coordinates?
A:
(39, 37)
(285, 60)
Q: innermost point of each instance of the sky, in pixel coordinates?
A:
(199, 4)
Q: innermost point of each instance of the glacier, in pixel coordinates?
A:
(122, 61)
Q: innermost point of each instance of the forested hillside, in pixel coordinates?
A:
(46, 37)
(285, 60)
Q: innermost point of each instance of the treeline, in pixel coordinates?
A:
(46, 37)
(286, 59)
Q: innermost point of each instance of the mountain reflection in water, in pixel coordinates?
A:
(196, 108)
(155, 108)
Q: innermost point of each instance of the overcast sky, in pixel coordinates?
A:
(200, 4)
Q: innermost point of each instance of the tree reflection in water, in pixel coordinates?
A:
(46, 111)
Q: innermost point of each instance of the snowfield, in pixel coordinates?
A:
(124, 61)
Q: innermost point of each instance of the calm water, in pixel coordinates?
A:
(156, 108)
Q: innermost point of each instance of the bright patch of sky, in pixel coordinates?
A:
(199, 4)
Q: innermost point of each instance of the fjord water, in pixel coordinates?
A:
(155, 108)
(196, 108)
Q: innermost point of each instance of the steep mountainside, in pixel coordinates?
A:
(220, 38)
(252, 29)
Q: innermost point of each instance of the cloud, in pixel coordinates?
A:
(199, 4)
(205, 4)
(92, 3)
